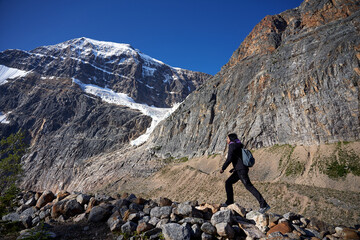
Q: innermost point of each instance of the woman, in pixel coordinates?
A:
(239, 172)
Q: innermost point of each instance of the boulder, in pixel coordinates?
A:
(225, 230)
(121, 203)
(45, 198)
(13, 217)
(346, 233)
(251, 230)
(154, 221)
(162, 222)
(208, 228)
(206, 236)
(164, 202)
(31, 202)
(61, 195)
(22, 208)
(196, 231)
(98, 214)
(103, 197)
(37, 195)
(134, 217)
(83, 199)
(72, 208)
(127, 213)
(80, 218)
(290, 216)
(184, 209)
(115, 222)
(58, 209)
(161, 212)
(283, 227)
(144, 227)
(174, 231)
(206, 207)
(139, 201)
(236, 208)
(128, 228)
(35, 221)
(92, 203)
(261, 220)
(224, 216)
(192, 220)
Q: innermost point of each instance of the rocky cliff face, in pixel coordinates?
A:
(44, 92)
(294, 80)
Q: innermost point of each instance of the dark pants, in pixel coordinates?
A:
(248, 185)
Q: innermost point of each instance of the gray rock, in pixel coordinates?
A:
(299, 229)
(145, 219)
(154, 221)
(312, 233)
(30, 212)
(162, 222)
(83, 199)
(22, 208)
(128, 227)
(192, 220)
(35, 221)
(80, 218)
(26, 221)
(290, 216)
(225, 230)
(153, 232)
(196, 231)
(98, 214)
(276, 235)
(184, 209)
(72, 208)
(103, 197)
(45, 198)
(208, 228)
(134, 217)
(13, 217)
(115, 222)
(224, 216)
(206, 236)
(174, 231)
(144, 227)
(31, 202)
(136, 207)
(251, 230)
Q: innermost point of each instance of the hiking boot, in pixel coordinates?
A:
(264, 209)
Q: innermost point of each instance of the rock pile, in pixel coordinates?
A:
(137, 218)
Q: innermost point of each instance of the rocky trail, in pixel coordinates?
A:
(44, 215)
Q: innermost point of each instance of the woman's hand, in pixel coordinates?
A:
(221, 171)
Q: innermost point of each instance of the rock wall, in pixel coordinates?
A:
(294, 80)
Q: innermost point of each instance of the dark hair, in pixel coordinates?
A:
(232, 136)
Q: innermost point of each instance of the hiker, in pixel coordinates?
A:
(239, 172)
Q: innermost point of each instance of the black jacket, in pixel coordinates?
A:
(235, 157)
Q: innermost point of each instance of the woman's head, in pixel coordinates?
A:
(232, 137)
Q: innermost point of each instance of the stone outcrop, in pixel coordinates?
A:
(293, 80)
(149, 220)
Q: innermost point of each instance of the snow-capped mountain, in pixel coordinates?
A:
(82, 98)
(118, 67)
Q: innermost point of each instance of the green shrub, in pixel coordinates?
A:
(12, 149)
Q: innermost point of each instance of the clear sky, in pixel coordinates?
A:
(199, 35)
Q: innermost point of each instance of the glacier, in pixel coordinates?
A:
(109, 96)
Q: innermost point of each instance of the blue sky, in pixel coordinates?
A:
(199, 35)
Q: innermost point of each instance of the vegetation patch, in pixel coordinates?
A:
(12, 149)
(295, 168)
(341, 162)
